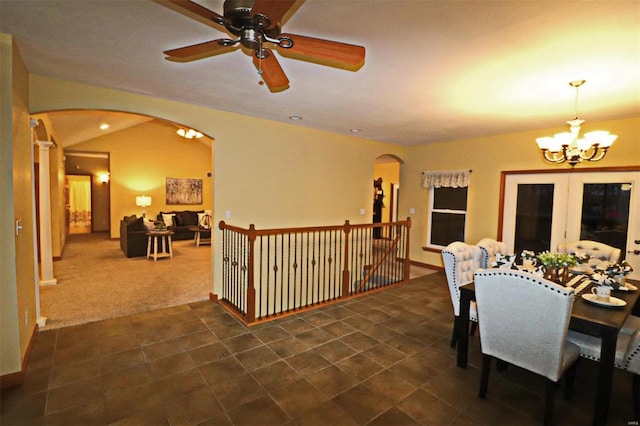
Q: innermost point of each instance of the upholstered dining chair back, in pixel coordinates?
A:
(489, 248)
(460, 261)
(524, 320)
(599, 252)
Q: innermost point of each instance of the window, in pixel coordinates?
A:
(447, 215)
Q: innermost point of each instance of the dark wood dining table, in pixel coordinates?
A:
(587, 318)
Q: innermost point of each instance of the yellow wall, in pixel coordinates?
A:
(141, 157)
(487, 157)
(17, 289)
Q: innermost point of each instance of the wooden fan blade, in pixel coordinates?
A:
(325, 52)
(272, 73)
(272, 9)
(194, 11)
(197, 51)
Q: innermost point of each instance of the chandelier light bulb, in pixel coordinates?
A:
(189, 133)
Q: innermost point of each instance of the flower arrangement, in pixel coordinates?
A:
(551, 265)
(554, 260)
(612, 275)
(160, 226)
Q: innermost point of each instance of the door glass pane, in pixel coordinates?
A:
(605, 213)
(534, 212)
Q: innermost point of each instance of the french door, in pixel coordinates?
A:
(542, 210)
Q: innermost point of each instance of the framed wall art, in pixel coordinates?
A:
(184, 191)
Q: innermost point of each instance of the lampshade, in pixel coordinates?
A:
(143, 201)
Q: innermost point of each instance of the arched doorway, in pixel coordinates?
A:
(143, 151)
(386, 189)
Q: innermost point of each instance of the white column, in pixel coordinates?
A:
(41, 320)
(46, 257)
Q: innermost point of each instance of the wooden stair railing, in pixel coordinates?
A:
(272, 272)
(374, 268)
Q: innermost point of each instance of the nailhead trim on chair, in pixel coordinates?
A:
(631, 357)
(455, 269)
(531, 278)
(456, 277)
(595, 358)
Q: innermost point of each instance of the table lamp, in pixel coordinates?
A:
(143, 201)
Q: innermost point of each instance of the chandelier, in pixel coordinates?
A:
(567, 147)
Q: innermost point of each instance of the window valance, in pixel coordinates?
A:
(446, 179)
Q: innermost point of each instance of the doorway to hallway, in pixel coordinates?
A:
(78, 204)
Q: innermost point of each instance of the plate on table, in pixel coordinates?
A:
(630, 287)
(613, 302)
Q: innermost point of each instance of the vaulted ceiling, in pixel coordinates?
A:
(435, 70)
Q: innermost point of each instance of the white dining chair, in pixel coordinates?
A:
(489, 248)
(524, 320)
(599, 253)
(627, 354)
(460, 261)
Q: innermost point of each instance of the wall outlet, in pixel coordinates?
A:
(363, 212)
(227, 214)
(412, 211)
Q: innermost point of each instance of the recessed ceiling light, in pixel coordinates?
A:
(104, 126)
(295, 117)
(355, 130)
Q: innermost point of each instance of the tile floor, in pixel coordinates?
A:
(380, 359)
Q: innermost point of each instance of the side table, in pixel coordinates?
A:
(201, 235)
(165, 244)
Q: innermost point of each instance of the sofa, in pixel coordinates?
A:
(180, 222)
(133, 238)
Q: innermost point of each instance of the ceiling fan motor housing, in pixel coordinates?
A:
(238, 20)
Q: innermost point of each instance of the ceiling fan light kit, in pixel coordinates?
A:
(567, 147)
(255, 23)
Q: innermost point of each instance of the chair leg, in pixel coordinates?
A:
(454, 334)
(474, 327)
(484, 376)
(570, 377)
(548, 404)
(636, 396)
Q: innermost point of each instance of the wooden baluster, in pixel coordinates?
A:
(251, 291)
(346, 273)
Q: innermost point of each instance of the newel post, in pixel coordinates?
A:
(407, 246)
(251, 291)
(346, 273)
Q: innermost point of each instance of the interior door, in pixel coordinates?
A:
(541, 210)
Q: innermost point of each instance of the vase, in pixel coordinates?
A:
(556, 274)
(551, 273)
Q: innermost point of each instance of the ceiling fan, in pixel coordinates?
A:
(256, 24)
